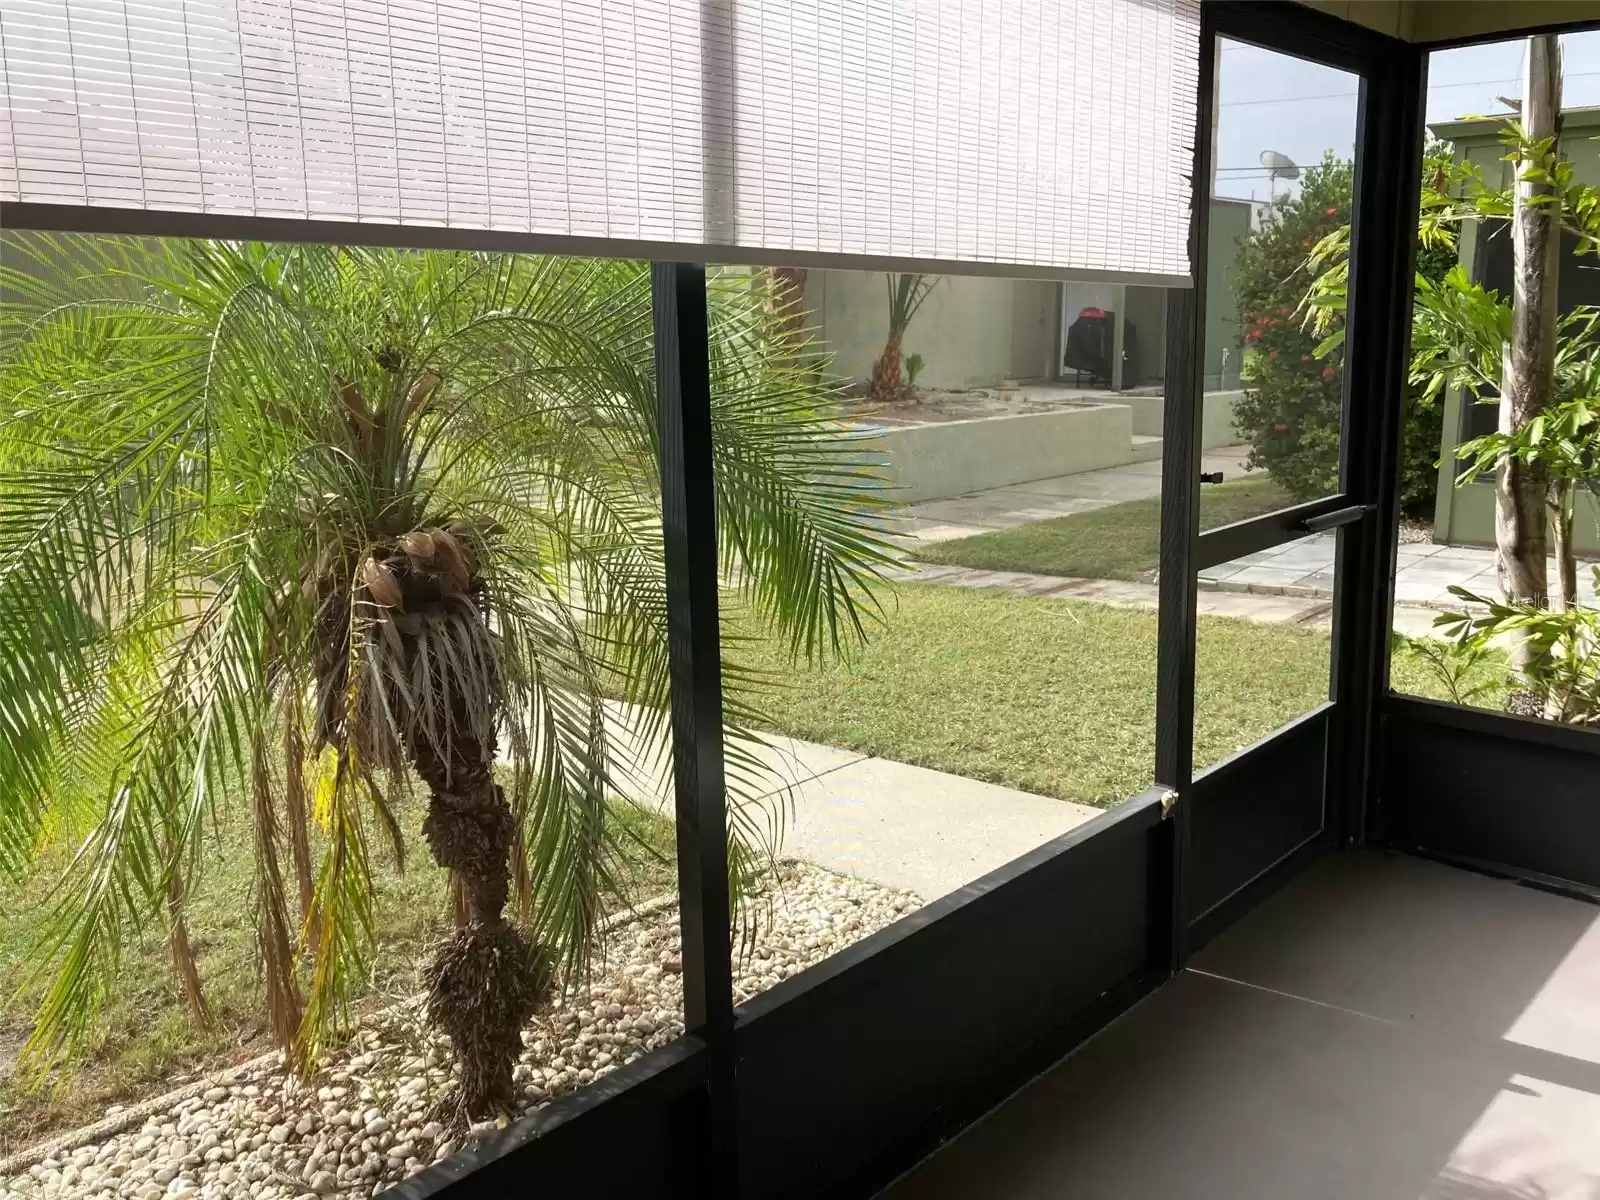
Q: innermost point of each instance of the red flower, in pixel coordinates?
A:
(1331, 211)
(1327, 372)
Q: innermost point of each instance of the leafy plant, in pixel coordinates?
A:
(914, 365)
(1465, 673)
(381, 516)
(1562, 648)
(1460, 329)
(1460, 332)
(1563, 442)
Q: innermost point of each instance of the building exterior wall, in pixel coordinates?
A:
(971, 331)
(1224, 342)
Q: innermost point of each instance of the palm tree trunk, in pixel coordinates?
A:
(786, 298)
(483, 982)
(1529, 364)
(886, 375)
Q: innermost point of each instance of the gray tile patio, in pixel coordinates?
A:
(1382, 1029)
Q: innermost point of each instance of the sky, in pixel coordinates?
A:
(1270, 101)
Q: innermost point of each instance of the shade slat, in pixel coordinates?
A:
(1047, 137)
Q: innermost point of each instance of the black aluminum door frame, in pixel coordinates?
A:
(1389, 135)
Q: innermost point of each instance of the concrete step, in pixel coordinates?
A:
(1144, 448)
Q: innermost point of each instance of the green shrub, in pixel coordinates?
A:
(1289, 412)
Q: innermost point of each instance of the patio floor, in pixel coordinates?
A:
(1384, 1028)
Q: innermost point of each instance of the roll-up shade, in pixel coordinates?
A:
(1036, 136)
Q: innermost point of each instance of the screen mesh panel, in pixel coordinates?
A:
(1048, 137)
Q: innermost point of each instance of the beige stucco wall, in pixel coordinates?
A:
(971, 331)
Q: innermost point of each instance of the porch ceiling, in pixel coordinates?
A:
(1428, 21)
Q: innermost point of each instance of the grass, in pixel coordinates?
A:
(1051, 696)
(146, 1039)
(1120, 541)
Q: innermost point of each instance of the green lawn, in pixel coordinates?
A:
(1051, 696)
(1120, 541)
(146, 1035)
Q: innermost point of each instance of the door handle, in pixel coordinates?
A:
(1336, 518)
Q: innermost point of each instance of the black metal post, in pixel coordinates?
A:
(1378, 331)
(1182, 412)
(689, 527)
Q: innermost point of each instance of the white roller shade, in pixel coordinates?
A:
(1026, 135)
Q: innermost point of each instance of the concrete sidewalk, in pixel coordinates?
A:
(1271, 607)
(889, 822)
(1424, 572)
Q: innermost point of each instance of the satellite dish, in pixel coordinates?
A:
(1279, 166)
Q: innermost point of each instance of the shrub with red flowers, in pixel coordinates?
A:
(1289, 412)
(1290, 408)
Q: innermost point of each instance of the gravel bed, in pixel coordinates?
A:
(1414, 531)
(361, 1123)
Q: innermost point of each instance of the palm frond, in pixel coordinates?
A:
(210, 449)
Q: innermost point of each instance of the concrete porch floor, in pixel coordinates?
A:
(1385, 1028)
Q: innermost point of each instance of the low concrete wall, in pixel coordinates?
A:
(1471, 520)
(951, 458)
(1216, 426)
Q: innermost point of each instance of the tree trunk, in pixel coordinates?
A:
(483, 982)
(786, 297)
(1530, 352)
(886, 375)
(1560, 515)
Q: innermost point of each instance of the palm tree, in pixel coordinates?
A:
(906, 294)
(380, 515)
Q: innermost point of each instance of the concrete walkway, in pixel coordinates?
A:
(909, 827)
(1302, 569)
(889, 822)
(1273, 606)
